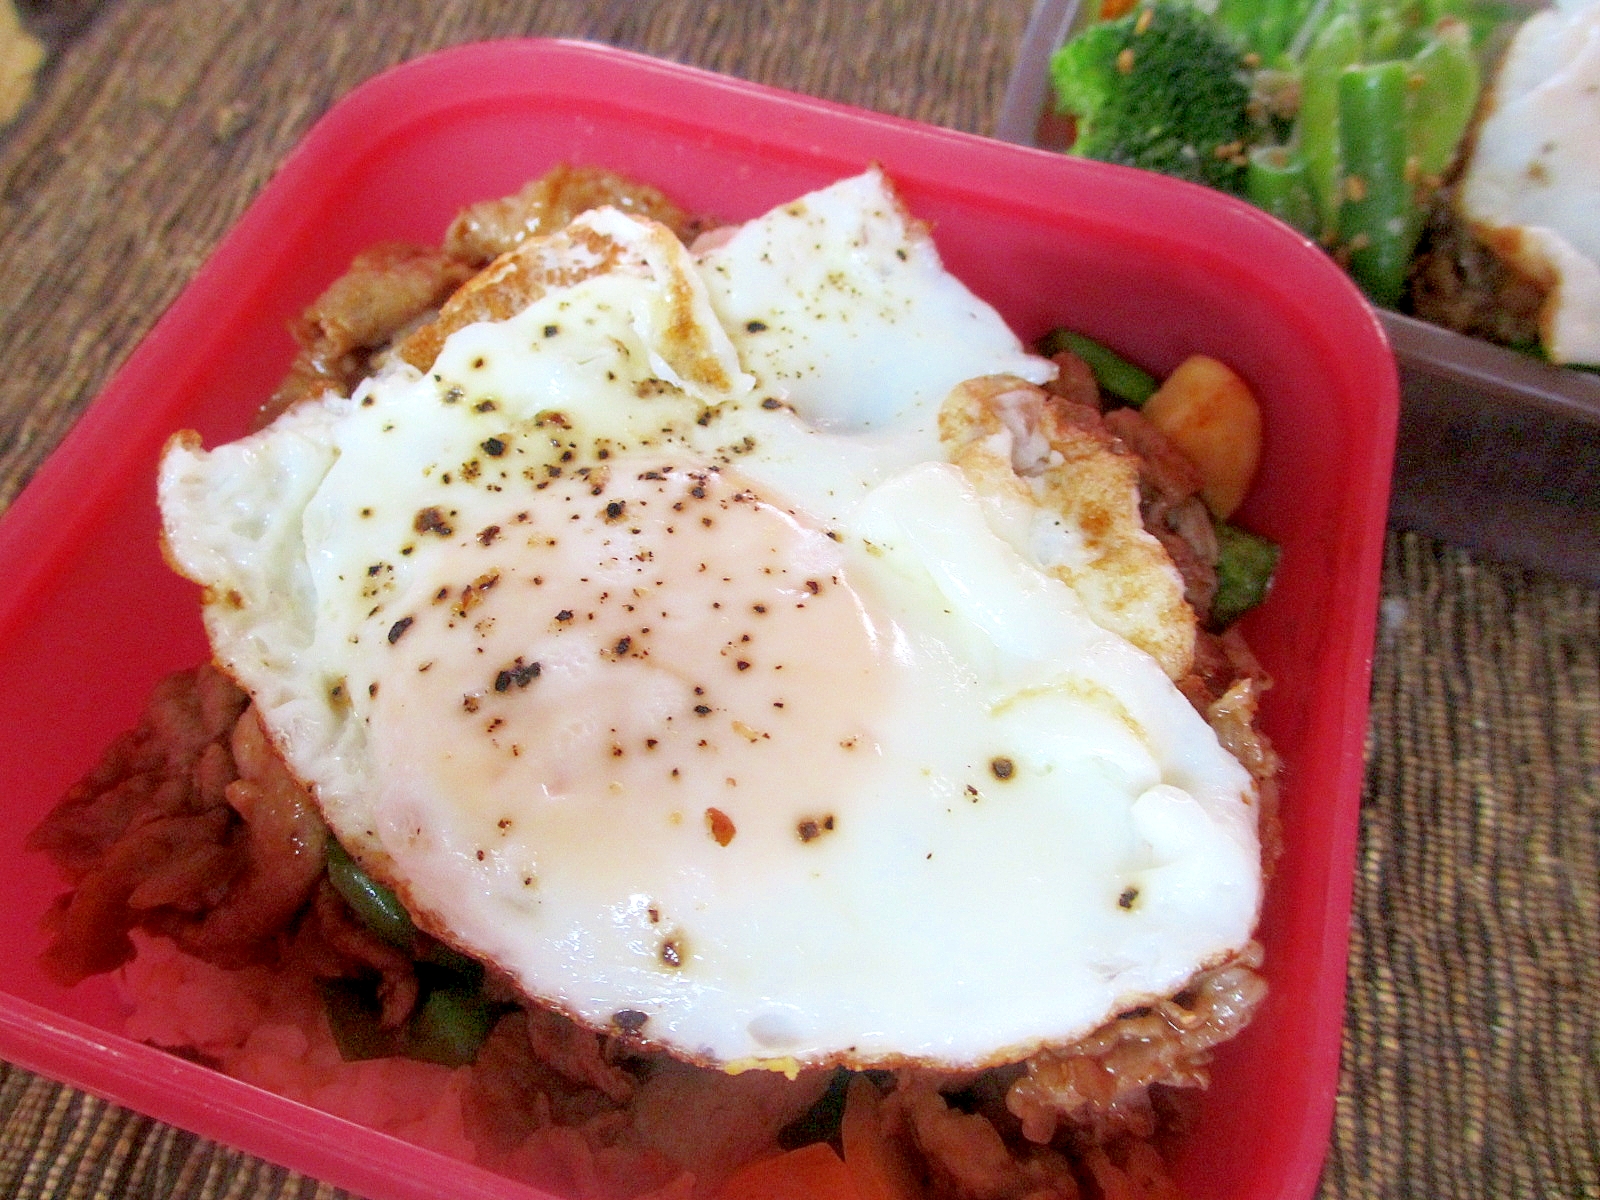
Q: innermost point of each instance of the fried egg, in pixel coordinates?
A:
(1532, 183)
(705, 644)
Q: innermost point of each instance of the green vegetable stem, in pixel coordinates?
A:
(1336, 47)
(1279, 181)
(1444, 86)
(1379, 220)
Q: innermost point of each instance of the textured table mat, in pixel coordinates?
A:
(1472, 1044)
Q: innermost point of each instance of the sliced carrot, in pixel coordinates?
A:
(1211, 415)
(876, 1162)
(813, 1172)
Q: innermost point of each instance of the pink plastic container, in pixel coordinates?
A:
(90, 617)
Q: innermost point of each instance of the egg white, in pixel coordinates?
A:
(717, 704)
(1532, 183)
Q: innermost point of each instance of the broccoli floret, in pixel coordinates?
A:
(1160, 88)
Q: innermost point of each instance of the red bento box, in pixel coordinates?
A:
(90, 617)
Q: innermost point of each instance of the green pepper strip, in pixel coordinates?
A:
(378, 907)
(1112, 372)
(1379, 221)
(450, 1025)
(1246, 563)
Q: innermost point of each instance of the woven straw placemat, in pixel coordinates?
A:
(1472, 1045)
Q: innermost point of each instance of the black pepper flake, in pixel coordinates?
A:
(1002, 768)
(485, 406)
(564, 615)
(399, 628)
(702, 709)
(494, 447)
(811, 829)
(518, 674)
(551, 330)
(629, 1020)
(431, 520)
(1129, 896)
(771, 402)
(672, 953)
(755, 326)
(487, 534)
(623, 646)
(615, 510)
